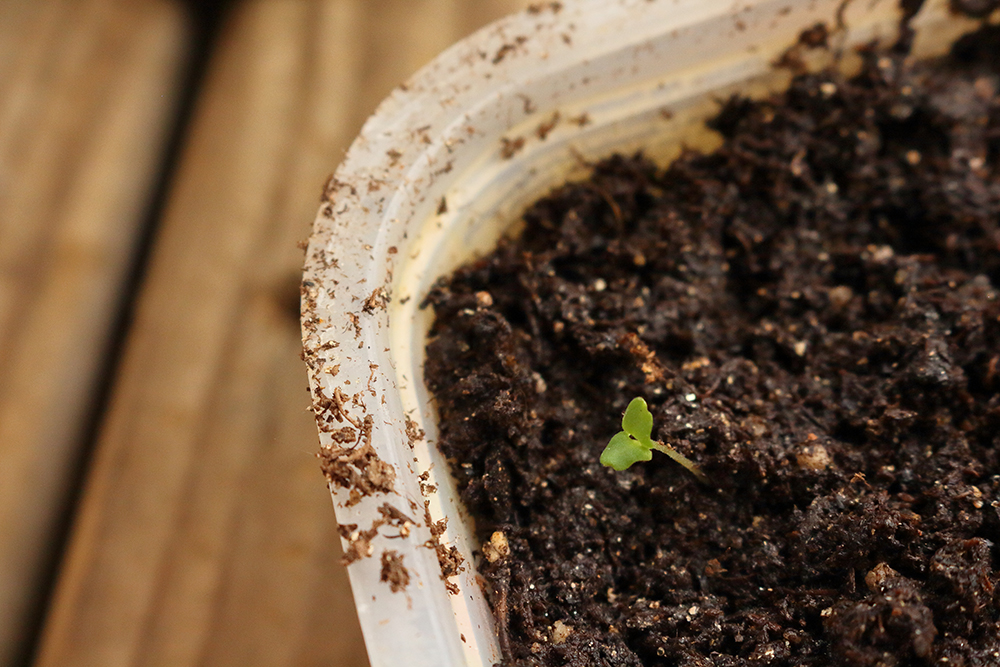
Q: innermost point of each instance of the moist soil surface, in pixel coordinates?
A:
(811, 313)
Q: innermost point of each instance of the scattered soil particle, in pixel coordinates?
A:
(546, 126)
(812, 314)
(502, 52)
(359, 542)
(508, 48)
(414, 433)
(426, 489)
(814, 37)
(393, 572)
(376, 300)
(331, 409)
(396, 518)
(449, 558)
(529, 106)
(357, 469)
(510, 147)
(355, 323)
(539, 7)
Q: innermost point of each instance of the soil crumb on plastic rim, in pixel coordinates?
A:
(449, 558)
(414, 433)
(357, 469)
(359, 542)
(539, 7)
(510, 147)
(393, 571)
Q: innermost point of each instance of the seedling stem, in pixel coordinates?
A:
(635, 443)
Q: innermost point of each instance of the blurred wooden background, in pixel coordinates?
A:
(159, 499)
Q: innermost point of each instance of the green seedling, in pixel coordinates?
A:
(635, 443)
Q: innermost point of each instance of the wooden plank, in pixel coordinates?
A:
(88, 89)
(206, 534)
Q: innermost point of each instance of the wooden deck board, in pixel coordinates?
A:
(206, 534)
(88, 90)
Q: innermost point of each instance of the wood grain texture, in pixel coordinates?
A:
(206, 534)
(88, 90)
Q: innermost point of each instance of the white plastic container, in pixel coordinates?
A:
(428, 184)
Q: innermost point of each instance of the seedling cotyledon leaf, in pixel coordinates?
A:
(635, 443)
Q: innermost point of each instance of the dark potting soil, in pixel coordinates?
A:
(811, 312)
